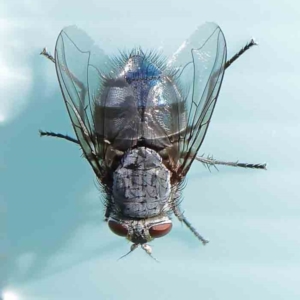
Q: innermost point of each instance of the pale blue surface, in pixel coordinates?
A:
(58, 245)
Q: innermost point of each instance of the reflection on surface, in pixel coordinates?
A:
(9, 295)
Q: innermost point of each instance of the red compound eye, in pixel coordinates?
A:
(117, 228)
(158, 231)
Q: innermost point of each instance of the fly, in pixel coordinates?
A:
(140, 121)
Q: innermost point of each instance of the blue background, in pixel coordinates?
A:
(54, 243)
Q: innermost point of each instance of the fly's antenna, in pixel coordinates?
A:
(148, 250)
(132, 248)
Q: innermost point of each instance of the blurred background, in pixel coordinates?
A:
(54, 243)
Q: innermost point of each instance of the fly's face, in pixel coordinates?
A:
(140, 231)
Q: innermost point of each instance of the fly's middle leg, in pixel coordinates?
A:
(210, 161)
(59, 135)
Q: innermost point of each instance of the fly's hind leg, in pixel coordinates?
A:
(47, 55)
(241, 52)
(179, 214)
(83, 92)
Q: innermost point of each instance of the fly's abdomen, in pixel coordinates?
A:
(140, 106)
(141, 187)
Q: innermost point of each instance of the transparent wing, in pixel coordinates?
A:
(76, 57)
(199, 64)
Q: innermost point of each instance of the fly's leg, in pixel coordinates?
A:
(76, 81)
(228, 63)
(82, 96)
(59, 135)
(241, 52)
(210, 161)
(107, 212)
(47, 55)
(179, 214)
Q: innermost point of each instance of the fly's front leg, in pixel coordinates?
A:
(108, 211)
(179, 214)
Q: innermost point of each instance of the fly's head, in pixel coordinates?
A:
(140, 232)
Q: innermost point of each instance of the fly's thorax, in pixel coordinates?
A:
(140, 231)
(141, 185)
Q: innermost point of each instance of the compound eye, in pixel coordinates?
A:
(117, 228)
(160, 230)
